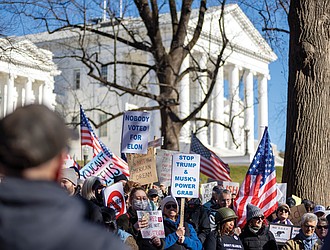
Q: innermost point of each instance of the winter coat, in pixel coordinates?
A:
(262, 240)
(191, 240)
(297, 244)
(126, 222)
(225, 242)
(41, 215)
(196, 216)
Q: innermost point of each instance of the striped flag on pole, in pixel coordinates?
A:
(89, 138)
(259, 186)
(211, 165)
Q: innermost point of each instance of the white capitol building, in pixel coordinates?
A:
(240, 93)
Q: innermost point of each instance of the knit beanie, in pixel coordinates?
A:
(70, 174)
(166, 200)
(252, 212)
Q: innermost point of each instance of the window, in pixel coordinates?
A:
(103, 131)
(104, 72)
(76, 75)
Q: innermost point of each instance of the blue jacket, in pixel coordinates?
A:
(191, 240)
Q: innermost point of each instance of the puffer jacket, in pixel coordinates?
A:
(262, 240)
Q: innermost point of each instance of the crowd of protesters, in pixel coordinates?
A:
(46, 206)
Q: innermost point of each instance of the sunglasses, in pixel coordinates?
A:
(320, 227)
(308, 226)
(169, 206)
(259, 218)
(284, 211)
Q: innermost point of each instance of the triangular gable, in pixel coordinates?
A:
(240, 32)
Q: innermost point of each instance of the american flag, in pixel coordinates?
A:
(259, 186)
(89, 138)
(70, 162)
(211, 165)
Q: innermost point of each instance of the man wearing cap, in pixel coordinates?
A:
(319, 211)
(255, 234)
(69, 180)
(282, 214)
(36, 213)
(153, 198)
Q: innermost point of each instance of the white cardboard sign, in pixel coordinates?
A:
(114, 198)
(136, 126)
(155, 224)
(185, 175)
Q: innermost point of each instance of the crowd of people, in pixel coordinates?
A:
(37, 213)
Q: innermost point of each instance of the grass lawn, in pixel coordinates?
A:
(237, 174)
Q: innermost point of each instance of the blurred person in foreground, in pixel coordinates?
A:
(306, 239)
(36, 213)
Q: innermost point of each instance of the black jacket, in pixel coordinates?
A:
(262, 240)
(40, 215)
(225, 242)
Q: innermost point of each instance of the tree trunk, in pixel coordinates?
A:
(307, 153)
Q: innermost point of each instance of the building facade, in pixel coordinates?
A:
(239, 98)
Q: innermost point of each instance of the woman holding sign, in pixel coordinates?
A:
(138, 201)
(223, 238)
(177, 237)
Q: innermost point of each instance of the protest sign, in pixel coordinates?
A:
(156, 143)
(297, 199)
(142, 167)
(185, 175)
(296, 214)
(100, 166)
(206, 191)
(155, 226)
(233, 187)
(281, 232)
(282, 187)
(114, 198)
(164, 165)
(135, 132)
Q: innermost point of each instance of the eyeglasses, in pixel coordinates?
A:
(169, 206)
(284, 210)
(259, 218)
(320, 227)
(308, 226)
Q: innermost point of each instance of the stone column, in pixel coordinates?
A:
(263, 105)
(184, 107)
(218, 110)
(249, 112)
(47, 95)
(234, 104)
(10, 93)
(202, 133)
(28, 91)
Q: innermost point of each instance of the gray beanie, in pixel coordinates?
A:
(70, 174)
(252, 212)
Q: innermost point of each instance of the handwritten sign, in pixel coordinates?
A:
(100, 166)
(185, 175)
(296, 214)
(206, 191)
(114, 198)
(142, 167)
(164, 165)
(155, 226)
(135, 132)
(233, 187)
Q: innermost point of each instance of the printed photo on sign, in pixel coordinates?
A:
(100, 166)
(282, 233)
(155, 224)
(114, 198)
(135, 133)
(185, 175)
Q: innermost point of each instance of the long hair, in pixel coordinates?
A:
(221, 229)
(87, 189)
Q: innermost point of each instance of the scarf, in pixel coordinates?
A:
(308, 242)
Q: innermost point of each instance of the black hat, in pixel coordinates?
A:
(152, 192)
(120, 178)
(30, 136)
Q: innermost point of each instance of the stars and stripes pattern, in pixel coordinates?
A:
(259, 186)
(89, 138)
(211, 165)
